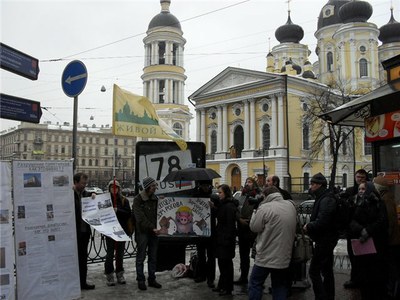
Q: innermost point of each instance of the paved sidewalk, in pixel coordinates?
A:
(187, 289)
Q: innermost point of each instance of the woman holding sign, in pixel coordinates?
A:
(123, 212)
(369, 224)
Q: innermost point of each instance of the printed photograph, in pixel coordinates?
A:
(62, 180)
(4, 216)
(32, 180)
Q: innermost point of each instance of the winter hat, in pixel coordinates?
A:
(147, 181)
(381, 183)
(319, 179)
(112, 182)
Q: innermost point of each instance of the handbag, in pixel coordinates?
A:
(130, 226)
(302, 245)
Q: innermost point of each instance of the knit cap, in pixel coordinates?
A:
(112, 183)
(147, 181)
(319, 179)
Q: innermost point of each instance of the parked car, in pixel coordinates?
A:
(94, 189)
(127, 192)
(304, 211)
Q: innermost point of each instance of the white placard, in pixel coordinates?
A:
(6, 234)
(45, 230)
(159, 165)
(99, 213)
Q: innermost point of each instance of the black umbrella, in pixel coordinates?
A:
(191, 174)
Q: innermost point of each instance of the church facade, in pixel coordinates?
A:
(253, 122)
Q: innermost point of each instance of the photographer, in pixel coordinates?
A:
(246, 237)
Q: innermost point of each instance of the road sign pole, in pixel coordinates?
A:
(74, 133)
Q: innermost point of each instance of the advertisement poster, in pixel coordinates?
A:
(6, 234)
(382, 127)
(184, 217)
(45, 231)
(99, 213)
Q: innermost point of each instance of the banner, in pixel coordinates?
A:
(6, 234)
(99, 213)
(135, 115)
(45, 230)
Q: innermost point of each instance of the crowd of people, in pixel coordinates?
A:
(265, 225)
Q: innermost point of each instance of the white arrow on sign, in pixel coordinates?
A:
(77, 77)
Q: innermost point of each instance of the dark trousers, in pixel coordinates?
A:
(246, 241)
(354, 269)
(150, 243)
(206, 255)
(114, 247)
(321, 271)
(83, 239)
(225, 281)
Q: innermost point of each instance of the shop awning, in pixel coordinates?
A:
(382, 100)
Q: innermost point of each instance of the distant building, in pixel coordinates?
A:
(99, 153)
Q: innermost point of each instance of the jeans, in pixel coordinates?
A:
(246, 241)
(321, 271)
(119, 248)
(278, 282)
(150, 243)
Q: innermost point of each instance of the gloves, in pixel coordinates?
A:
(364, 235)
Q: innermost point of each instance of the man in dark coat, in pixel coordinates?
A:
(322, 231)
(83, 231)
(146, 234)
(273, 180)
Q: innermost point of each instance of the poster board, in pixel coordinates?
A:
(7, 288)
(45, 231)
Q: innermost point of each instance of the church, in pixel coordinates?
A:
(254, 123)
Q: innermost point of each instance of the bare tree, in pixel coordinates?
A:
(326, 138)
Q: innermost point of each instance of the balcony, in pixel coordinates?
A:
(38, 141)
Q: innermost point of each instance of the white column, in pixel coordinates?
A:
(153, 53)
(225, 128)
(252, 125)
(180, 49)
(168, 52)
(274, 121)
(202, 127)
(280, 120)
(219, 129)
(181, 99)
(246, 132)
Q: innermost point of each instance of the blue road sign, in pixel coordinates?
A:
(19, 63)
(19, 109)
(74, 78)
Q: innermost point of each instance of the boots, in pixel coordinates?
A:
(121, 278)
(110, 279)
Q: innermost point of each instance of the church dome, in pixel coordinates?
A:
(289, 33)
(389, 33)
(355, 11)
(164, 18)
(329, 14)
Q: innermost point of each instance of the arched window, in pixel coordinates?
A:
(96, 162)
(329, 61)
(178, 129)
(106, 163)
(367, 148)
(344, 180)
(306, 136)
(213, 142)
(363, 67)
(266, 137)
(90, 162)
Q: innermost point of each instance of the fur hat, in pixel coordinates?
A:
(112, 182)
(319, 179)
(147, 181)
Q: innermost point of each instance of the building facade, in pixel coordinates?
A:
(99, 153)
(253, 123)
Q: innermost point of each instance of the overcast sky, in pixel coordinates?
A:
(108, 37)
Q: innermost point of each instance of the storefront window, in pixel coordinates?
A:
(388, 156)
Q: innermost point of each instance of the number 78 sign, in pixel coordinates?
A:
(159, 165)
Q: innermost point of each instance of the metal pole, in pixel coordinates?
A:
(263, 151)
(74, 133)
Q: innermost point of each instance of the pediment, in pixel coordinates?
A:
(232, 78)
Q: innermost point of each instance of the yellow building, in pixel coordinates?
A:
(252, 122)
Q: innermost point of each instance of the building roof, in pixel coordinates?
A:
(290, 32)
(355, 11)
(390, 32)
(164, 18)
(329, 14)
